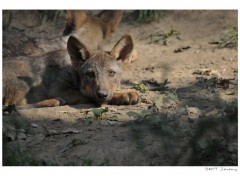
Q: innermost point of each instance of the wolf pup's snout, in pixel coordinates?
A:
(102, 94)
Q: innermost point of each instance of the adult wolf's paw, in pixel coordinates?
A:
(125, 98)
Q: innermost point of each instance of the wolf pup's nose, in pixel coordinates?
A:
(102, 94)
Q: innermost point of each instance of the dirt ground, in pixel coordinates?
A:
(187, 114)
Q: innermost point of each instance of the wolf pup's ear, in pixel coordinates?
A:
(123, 48)
(77, 51)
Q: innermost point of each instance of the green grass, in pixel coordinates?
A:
(228, 39)
(163, 37)
(166, 97)
(159, 123)
(140, 87)
(45, 16)
(147, 16)
(208, 141)
(98, 112)
(14, 155)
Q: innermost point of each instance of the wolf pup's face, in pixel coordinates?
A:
(100, 77)
(99, 72)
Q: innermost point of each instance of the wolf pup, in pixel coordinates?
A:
(72, 76)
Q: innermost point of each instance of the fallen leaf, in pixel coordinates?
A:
(230, 93)
(181, 49)
(52, 132)
(193, 113)
(208, 72)
(9, 131)
(72, 130)
(35, 139)
(21, 135)
(34, 125)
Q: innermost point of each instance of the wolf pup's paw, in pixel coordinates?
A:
(51, 103)
(125, 98)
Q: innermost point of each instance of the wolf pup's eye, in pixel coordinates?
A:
(90, 74)
(111, 73)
